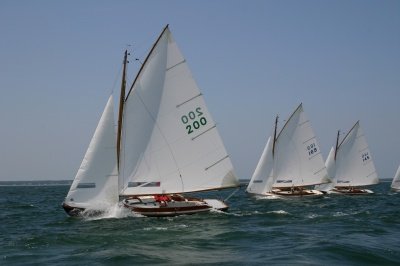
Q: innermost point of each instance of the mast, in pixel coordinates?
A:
(121, 107)
(274, 140)
(337, 143)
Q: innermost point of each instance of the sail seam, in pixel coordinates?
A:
(217, 162)
(176, 65)
(204, 132)
(179, 105)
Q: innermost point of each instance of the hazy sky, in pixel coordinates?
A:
(60, 60)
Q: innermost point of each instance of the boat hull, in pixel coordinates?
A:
(351, 191)
(287, 194)
(298, 193)
(150, 206)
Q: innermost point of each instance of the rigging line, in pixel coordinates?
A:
(233, 193)
(116, 79)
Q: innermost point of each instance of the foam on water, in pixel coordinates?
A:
(116, 211)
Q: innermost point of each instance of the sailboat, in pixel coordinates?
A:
(396, 181)
(167, 144)
(350, 165)
(95, 187)
(291, 161)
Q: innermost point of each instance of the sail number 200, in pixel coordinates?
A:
(194, 120)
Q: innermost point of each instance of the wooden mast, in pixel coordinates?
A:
(337, 143)
(121, 107)
(273, 143)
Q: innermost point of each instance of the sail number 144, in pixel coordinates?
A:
(194, 120)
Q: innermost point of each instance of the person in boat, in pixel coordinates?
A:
(162, 199)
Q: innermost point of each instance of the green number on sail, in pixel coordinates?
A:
(194, 120)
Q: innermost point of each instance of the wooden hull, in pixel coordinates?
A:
(174, 206)
(298, 193)
(351, 191)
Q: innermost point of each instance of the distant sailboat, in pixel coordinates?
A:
(167, 143)
(95, 187)
(396, 180)
(291, 161)
(350, 165)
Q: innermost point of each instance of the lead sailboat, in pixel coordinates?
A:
(291, 161)
(350, 165)
(168, 143)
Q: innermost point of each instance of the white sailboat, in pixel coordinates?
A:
(95, 187)
(168, 141)
(396, 181)
(291, 161)
(350, 165)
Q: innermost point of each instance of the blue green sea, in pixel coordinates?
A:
(333, 230)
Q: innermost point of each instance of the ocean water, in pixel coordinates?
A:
(334, 230)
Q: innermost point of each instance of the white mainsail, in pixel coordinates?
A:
(96, 183)
(294, 161)
(352, 166)
(169, 141)
(396, 180)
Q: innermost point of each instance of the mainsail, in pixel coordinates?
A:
(169, 141)
(95, 185)
(351, 165)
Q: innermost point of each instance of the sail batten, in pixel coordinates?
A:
(179, 105)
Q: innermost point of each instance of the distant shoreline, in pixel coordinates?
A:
(36, 183)
(69, 182)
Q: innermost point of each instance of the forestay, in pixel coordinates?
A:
(170, 143)
(95, 185)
